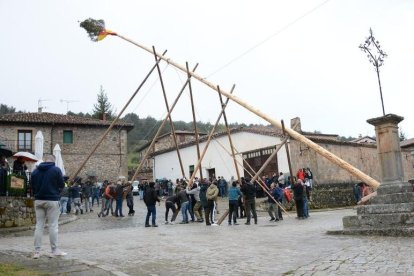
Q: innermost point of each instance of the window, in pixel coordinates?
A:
(191, 170)
(67, 137)
(24, 140)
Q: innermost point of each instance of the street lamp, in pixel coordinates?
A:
(376, 56)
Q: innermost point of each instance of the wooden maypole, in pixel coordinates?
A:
(98, 32)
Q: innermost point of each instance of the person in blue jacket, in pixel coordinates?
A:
(234, 194)
(47, 182)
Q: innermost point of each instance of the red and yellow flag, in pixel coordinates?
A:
(104, 33)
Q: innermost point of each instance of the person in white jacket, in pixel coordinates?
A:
(197, 208)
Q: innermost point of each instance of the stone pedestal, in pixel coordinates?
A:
(391, 212)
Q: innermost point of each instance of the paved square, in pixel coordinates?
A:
(291, 246)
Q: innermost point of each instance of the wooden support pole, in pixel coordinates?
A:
(157, 61)
(269, 159)
(288, 154)
(169, 116)
(295, 135)
(160, 128)
(197, 167)
(262, 184)
(194, 118)
(229, 135)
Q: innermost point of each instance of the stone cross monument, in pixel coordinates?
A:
(391, 212)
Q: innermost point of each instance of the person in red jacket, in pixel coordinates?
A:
(301, 175)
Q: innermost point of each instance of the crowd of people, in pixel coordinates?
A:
(197, 203)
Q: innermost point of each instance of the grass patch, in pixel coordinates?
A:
(15, 270)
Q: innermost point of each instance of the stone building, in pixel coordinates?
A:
(165, 141)
(217, 160)
(76, 137)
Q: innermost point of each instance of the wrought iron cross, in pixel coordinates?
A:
(376, 56)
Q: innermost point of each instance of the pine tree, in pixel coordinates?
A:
(402, 136)
(102, 107)
(5, 109)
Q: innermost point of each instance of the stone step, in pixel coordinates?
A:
(385, 208)
(385, 189)
(392, 198)
(387, 231)
(379, 220)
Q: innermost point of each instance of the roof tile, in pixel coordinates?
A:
(53, 118)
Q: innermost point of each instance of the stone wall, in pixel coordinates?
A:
(363, 157)
(16, 212)
(323, 196)
(167, 141)
(332, 195)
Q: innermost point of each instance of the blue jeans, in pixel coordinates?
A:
(63, 204)
(151, 211)
(305, 207)
(95, 197)
(118, 208)
(222, 191)
(184, 210)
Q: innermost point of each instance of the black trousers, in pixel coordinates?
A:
(169, 205)
(233, 204)
(299, 207)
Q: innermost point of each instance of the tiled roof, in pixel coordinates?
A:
(322, 140)
(263, 130)
(407, 143)
(182, 132)
(46, 118)
(272, 131)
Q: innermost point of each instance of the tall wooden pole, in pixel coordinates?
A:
(295, 135)
(157, 61)
(169, 116)
(160, 128)
(194, 118)
(197, 167)
(230, 139)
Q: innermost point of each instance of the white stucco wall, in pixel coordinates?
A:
(167, 164)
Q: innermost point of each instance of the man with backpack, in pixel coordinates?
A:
(150, 198)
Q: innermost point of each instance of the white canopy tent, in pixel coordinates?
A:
(59, 161)
(39, 140)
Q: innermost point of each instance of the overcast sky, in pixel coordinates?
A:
(287, 58)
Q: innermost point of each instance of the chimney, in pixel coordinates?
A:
(39, 109)
(294, 121)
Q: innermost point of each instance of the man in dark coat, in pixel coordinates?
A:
(249, 192)
(150, 198)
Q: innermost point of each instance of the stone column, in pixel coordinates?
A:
(389, 150)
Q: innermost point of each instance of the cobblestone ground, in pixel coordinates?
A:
(291, 247)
